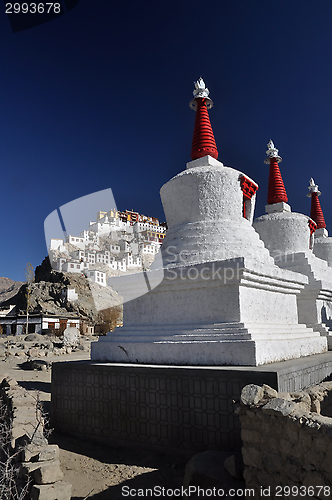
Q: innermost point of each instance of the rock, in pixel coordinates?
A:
(34, 352)
(251, 394)
(269, 393)
(279, 406)
(8, 288)
(57, 491)
(40, 364)
(30, 453)
(34, 337)
(36, 364)
(51, 452)
(20, 354)
(71, 337)
(48, 472)
(302, 399)
(46, 345)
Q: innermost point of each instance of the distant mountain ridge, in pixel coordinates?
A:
(8, 288)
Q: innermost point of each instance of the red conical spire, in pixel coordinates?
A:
(276, 190)
(203, 139)
(316, 212)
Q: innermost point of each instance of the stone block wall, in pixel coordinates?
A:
(287, 442)
(25, 448)
(166, 408)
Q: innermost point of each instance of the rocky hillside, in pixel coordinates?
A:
(47, 294)
(8, 288)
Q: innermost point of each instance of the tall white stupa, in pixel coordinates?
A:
(223, 300)
(289, 236)
(323, 242)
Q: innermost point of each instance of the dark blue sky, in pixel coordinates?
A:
(98, 98)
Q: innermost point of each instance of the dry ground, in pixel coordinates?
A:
(95, 471)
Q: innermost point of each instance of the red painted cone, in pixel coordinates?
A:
(316, 212)
(203, 139)
(276, 190)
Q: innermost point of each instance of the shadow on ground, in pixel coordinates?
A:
(117, 468)
(160, 480)
(112, 454)
(35, 385)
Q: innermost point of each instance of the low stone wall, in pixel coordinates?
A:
(25, 447)
(287, 443)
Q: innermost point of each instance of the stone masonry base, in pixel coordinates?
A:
(170, 409)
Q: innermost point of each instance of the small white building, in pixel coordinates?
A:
(103, 257)
(133, 261)
(121, 264)
(114, 248)
(15, 324)
(70, 295)
(98, 277)
(148, 248)
(91, 257)
(78, 241)
(138, 227)
(74, 266)
(57, 244)
(90, 237)
(79, 255)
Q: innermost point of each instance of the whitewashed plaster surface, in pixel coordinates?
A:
(203, 207)
(222, 300)
(323, 249)
(283, 232)
(287, 236)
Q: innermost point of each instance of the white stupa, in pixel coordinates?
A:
(289, 238)
(322, 242)
(222, 300)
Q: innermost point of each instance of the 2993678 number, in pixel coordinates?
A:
(33, 8)
(303, 491)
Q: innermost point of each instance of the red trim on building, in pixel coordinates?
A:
(248, 187)
(312, 226)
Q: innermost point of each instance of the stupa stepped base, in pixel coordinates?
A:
(234, 312)
(219, 350)
(324, 332)
(315, 300)
(214, 332)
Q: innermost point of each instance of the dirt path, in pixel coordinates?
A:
(96, 471)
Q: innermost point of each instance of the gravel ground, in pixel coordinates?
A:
(96, 471)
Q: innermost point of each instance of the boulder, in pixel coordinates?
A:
(71, 337)
(57, 491)
(34, 337)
